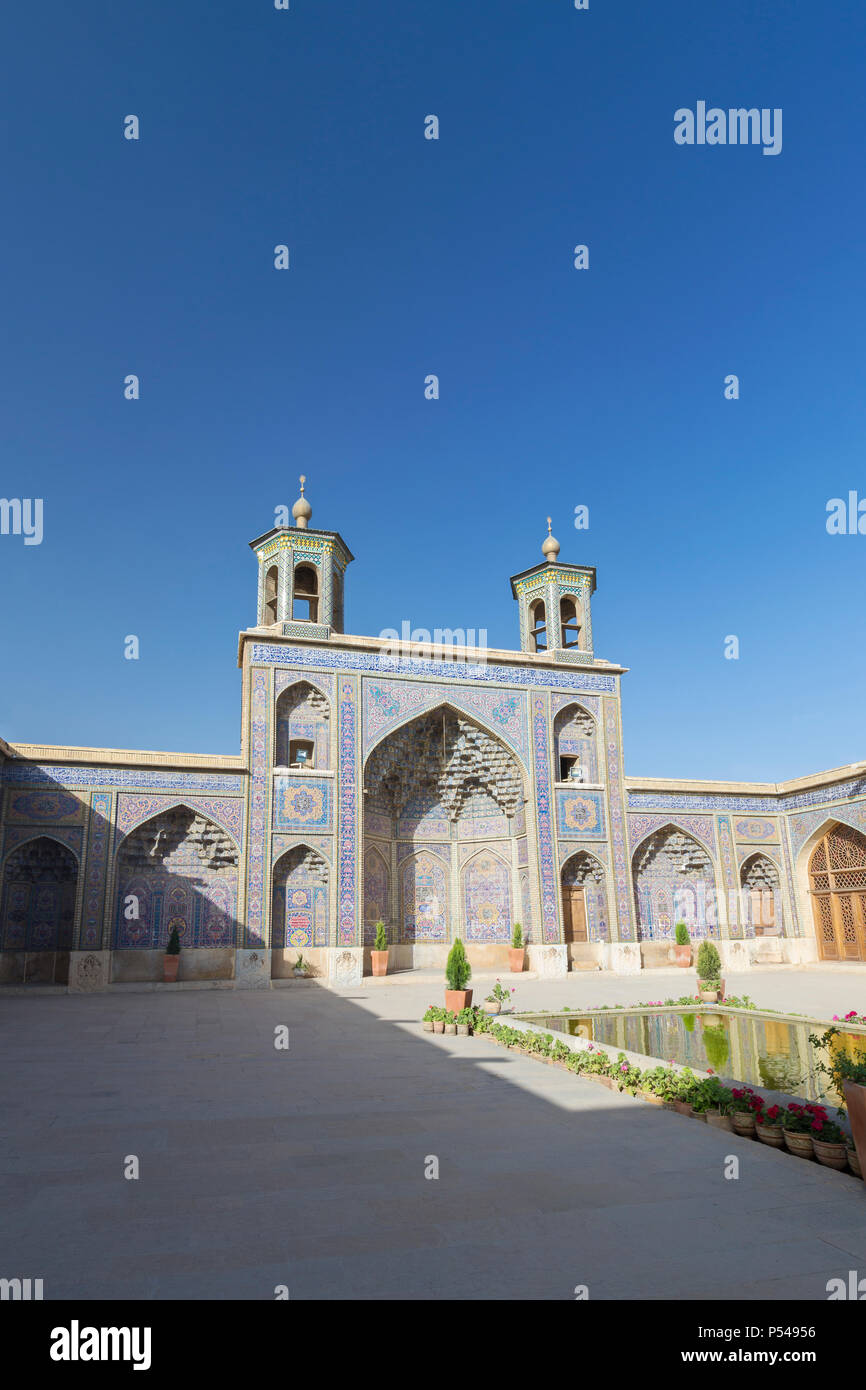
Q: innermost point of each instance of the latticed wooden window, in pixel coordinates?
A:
(837, 871)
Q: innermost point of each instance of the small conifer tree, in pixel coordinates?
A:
(381, 942)
(458, 971)
(709, 964)
(173, 947)
(517, 937)
(682, 934)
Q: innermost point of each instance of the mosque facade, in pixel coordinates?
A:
(446, 791)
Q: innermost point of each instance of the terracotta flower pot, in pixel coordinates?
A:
(831, 1155)
(709, 996)
(743, 1122)
(683, 1107)
(491, 1006)
(463, 1030)
(170, 966)
(770, 1134)
(719, 1121)
(380, 962)
(451, 1028)
(855, 1104)
(516, 957)
(457, 999)
(439, 1025)
(684, 956)
(427, 1025)
(799, 1144)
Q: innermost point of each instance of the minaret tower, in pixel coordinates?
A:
(301, 576)
(554, 601)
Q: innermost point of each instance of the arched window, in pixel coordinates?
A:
(271, 594)
(305, 596)
(759, 878)
(569, 623)
(575, 744)
(538, 626)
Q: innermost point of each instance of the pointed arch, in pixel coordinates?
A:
(37, 895)
(833, 862)
(176, 870)
(761, 895)
(301, 899)
(674, 880)
(424, 898)
(486, 897)
(583, 881)
(575, 744)
(453, 704)
(377, 889)
(302, 716)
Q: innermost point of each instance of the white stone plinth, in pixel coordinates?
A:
(549, 962)
(623, 957)
(89, 971)
(253, 969)
(346, 966)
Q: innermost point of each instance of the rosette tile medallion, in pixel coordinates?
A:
(443, 791)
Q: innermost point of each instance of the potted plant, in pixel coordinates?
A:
(427, 1018)
(797, 1129)
(713, 1103)
(497, 999)
(709, 967)
(450, 1021)
(829, 1145)
(439, 1020)
(517, 953)
(379, 953)
(171, 959)
(744, 1105)
(465, 1019)
(848, 1075)
(768, 1126)
(683, 946)
(684, 1087)
(458, 973)
(301, 967)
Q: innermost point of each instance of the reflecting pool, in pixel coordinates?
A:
(758, 1049)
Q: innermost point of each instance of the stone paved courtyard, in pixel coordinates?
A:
(306, 1168)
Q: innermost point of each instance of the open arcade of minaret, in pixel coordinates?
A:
(446, 792)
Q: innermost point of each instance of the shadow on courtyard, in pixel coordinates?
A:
(305, 1167)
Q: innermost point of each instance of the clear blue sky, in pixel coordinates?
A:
(409, 256)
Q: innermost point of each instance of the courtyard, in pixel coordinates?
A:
(305, 1167)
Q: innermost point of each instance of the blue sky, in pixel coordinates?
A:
(454, 257)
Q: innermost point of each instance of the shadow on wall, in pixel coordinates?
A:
(178, 870)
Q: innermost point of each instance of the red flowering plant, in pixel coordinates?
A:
(772, 1115)
(827, 1132)
(804, 1119)
(743, 1098)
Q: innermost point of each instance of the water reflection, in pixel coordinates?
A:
(760, 1050)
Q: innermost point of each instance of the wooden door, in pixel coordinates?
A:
(837, 879)
(574, 914)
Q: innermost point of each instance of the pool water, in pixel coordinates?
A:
(755, 1048)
